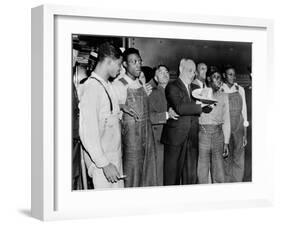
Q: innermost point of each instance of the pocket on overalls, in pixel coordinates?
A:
(124, 129)
(111, 136)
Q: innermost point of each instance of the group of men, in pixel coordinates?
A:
(139, 133)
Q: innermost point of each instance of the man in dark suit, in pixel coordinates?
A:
(191, 161)
(159, 114)
(175, 136)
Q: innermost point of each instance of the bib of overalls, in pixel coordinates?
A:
(139, 158)
(235, 110)
(137, 100)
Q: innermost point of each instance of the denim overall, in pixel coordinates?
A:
(234, 164)
(139, 155)
(210, 154)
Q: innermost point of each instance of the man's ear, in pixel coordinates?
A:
(208, 79)
(107, 61)
(155, 76)
(125, 65)
(223, 75)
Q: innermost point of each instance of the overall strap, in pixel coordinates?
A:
(111, 106)
(123, 81)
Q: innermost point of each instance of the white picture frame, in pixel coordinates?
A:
(52, 197)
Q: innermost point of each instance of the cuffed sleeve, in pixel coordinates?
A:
(158, 118)
(157, 107)
(176, 101)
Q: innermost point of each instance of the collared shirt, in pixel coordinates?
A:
(237, 88)
(94, 110)
(120, 88)
(219, 115)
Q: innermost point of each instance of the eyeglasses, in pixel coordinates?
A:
(135, 61)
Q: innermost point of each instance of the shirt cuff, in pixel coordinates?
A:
(93, 166)
(91, 169)
(246, 124)
(101, 162)
(167, 115)
(226, 139)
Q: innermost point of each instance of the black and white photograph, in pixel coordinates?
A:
(159, 112)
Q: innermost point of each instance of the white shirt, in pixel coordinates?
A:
(198, 82)
(219, 115)
(120, 89)
(94, 110)
(241, 91)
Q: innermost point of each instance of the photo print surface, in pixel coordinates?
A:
(160, 112)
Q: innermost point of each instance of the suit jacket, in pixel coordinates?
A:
(157, 109)
(176, 131)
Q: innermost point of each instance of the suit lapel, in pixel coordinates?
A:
(182, 86)
(194, 86)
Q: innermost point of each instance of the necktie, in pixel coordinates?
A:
(188, 90)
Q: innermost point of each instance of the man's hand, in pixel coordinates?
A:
(148, 89)
(245, 137)
(172, 114)
(111, 173)
(225, 151)
(207, 109)
(130, 111)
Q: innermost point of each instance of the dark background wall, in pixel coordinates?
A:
(155, 51)
(171, 51)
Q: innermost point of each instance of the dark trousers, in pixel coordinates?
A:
(189, 175)
(175, 170)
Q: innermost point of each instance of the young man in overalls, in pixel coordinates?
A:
(139, 157)
(234, 164)
(100, 131)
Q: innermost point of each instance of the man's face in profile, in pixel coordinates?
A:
(189, 70)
